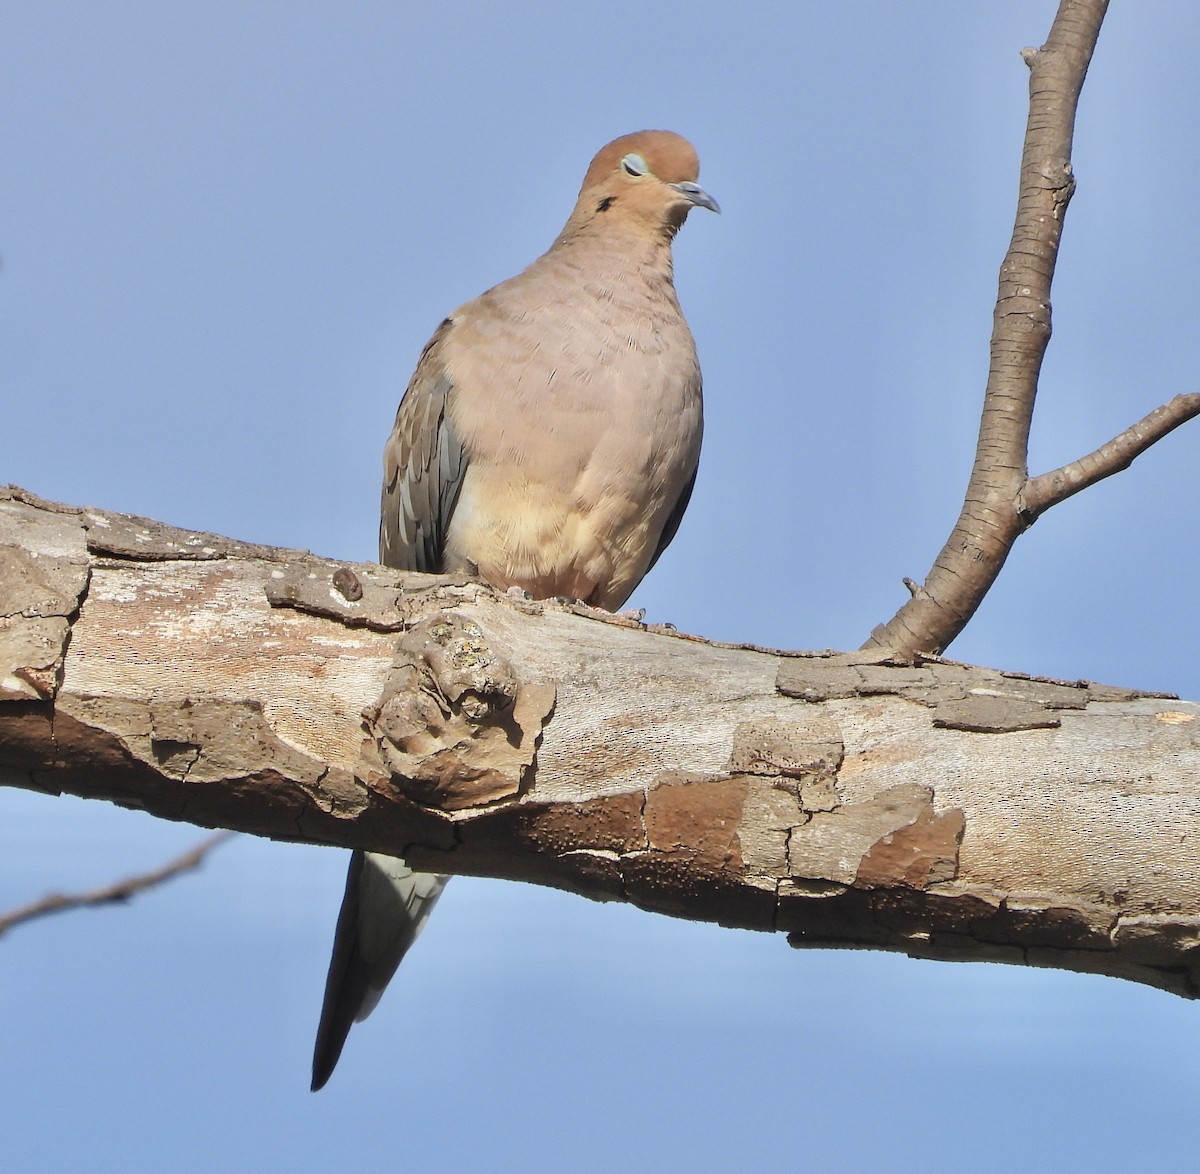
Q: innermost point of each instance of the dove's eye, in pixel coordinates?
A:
(634, 165)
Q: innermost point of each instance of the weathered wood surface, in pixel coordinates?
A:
(936, 808)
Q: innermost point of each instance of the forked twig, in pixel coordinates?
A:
(1002, 501)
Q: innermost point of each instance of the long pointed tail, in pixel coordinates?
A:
(386, 905)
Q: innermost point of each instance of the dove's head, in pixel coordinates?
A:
(647, 178)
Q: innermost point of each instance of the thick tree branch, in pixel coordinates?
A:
(1001, 502)
(114, 893)
(938, 809)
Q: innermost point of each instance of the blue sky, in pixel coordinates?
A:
(228, 229)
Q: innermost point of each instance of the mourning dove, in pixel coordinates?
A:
(547, 441)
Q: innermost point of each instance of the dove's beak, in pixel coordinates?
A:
(696, 195)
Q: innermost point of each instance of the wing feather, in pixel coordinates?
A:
(423, 468)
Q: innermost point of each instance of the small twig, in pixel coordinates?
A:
(1118, 454)
(121, 891)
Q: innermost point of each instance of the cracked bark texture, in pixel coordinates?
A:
(935, 808)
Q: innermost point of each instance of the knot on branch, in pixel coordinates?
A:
(359, 596)
(1063, 189)
(454, 726)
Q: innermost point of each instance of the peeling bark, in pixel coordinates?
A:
(936, 808)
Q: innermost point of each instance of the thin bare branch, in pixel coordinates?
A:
(1118, 454)
(991, 519)
(110, 894)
